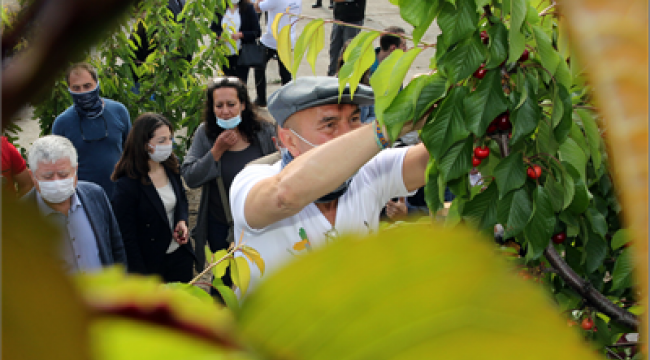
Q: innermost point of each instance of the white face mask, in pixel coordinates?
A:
(57, 191)
(160, 152)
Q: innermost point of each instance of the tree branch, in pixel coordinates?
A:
(588, 292)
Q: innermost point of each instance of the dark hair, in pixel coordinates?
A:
(250, 120)
(82, 65)
(134, 161)
(387, 39)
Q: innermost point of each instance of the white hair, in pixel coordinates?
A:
(51, 148)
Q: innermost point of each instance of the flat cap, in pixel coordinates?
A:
(310, 91)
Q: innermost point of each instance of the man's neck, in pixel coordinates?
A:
(63, 207)
(329, 210)
(382, 55)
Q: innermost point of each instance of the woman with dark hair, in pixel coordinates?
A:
(232, 134)
(149, 202)
(242, 22)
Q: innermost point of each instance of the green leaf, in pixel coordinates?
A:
(597, 221)
(228, 296)
(593, 136)
(539, 230)
(457, 161)
(545, 139)
(555, 193)
(445, 294)
(595, 252)
(414, 12)
(309, 38)
(516, 37)
(525, 117)
(517, 42)
(464, 59)
(433, 89)
(485, 103)
(622, 272)
(430, 11)
(481, 211)
(220, 269)
(240, 272)
(563, 74)
(577, 136)
(547, 55)
(513, 212)
(457, 22)
(195, 291)
(455, 210)
(358, 57)
(448, 126)
(581, 198)
(620, 238)
(571, 153)
(498, 46)
(431, 193)
(510, 174)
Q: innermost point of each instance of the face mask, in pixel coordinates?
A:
(234, 2)
(335, 194)
(88, 103)
(57, 191)
(160, 152)
(230, 123)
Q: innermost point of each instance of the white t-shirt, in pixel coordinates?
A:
(358, 211)
(279, 6)
(231, 23)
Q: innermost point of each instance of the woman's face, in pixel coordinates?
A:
(226, 103)
(161, 136)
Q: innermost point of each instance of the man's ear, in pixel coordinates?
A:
(289, 141)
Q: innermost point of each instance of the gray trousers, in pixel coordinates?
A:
(340, 34)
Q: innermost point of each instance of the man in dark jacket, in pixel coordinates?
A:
(351, 12)
(91, 236)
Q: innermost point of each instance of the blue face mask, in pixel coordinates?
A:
(335, 194)
(230, 123)
(88, 104)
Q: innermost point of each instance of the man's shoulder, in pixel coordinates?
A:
(67, 115)
(114, 105)
(86, 188)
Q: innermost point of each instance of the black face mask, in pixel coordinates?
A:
(337, 193)
(88, 104)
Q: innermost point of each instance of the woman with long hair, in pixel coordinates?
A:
(232, 134)
(149, 202)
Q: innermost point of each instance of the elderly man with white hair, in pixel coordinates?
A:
(91, 236)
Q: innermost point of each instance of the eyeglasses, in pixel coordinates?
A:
(81, 129)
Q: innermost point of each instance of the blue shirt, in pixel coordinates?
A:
(79, 249)
(97, 159)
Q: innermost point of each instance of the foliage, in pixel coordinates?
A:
(184, 53)
(534, 83)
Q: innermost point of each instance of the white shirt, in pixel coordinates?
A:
(231, 23)
(280, 6)
(357, 211)
(168, 198)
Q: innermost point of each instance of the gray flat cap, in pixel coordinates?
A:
(310, 91)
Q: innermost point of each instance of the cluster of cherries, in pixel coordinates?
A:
(480, 153)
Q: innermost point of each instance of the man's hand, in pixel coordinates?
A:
(237, 36)
(224, 142)
(396, 210)
(180, 233)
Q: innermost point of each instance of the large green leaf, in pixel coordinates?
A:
(595, 251)
(571, 153)
(433, 89)
(431, 188)
(513, 212)
(516, 37)
(620, 238)
(457, 161)
(576, 135)
(308, 39)
(622, 272)
(510, 173)
(430, 12)
(547, 55)
(555, 193)
(581, 198)
(457, 22)
(539, 230)
(597, 221)
(481, 211)
(485, 103)
(498, 46)
(545, 139)
(414, 12)
(525, 117)
(563, 74)
(359, 57)
(464, 59)
(593, 136)
(448, 126)
(430, 297)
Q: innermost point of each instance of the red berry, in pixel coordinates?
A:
(559, 237)
(533, 173)
(587, 324)
(524, 56)
(503, 122)
(480, 73)
(538, 170)
(482, 152)
(485, 37)
(476, 161)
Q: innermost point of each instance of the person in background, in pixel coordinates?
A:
(97, 127)
(319, 4)
(387, 44)
(15, 176)
(150, 202)
(241, 21)
(231, 135)
(81, 210)
(273, 7)
(351, 12)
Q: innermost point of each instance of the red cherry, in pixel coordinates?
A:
(482, 152)
(503, 122)
(538, 170)
(476, 161)
(485, 38)
(480, 72)
(587, 324)
(531, 173)
(559, 237)
(524, 56)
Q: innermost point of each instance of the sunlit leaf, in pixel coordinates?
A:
(308, 39)
(547, 55)
(359, 57)
(254, 256)
(220, 269)
(284, 47)
(240, 273)
(620, 238)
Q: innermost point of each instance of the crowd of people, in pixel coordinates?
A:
(290, 184)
